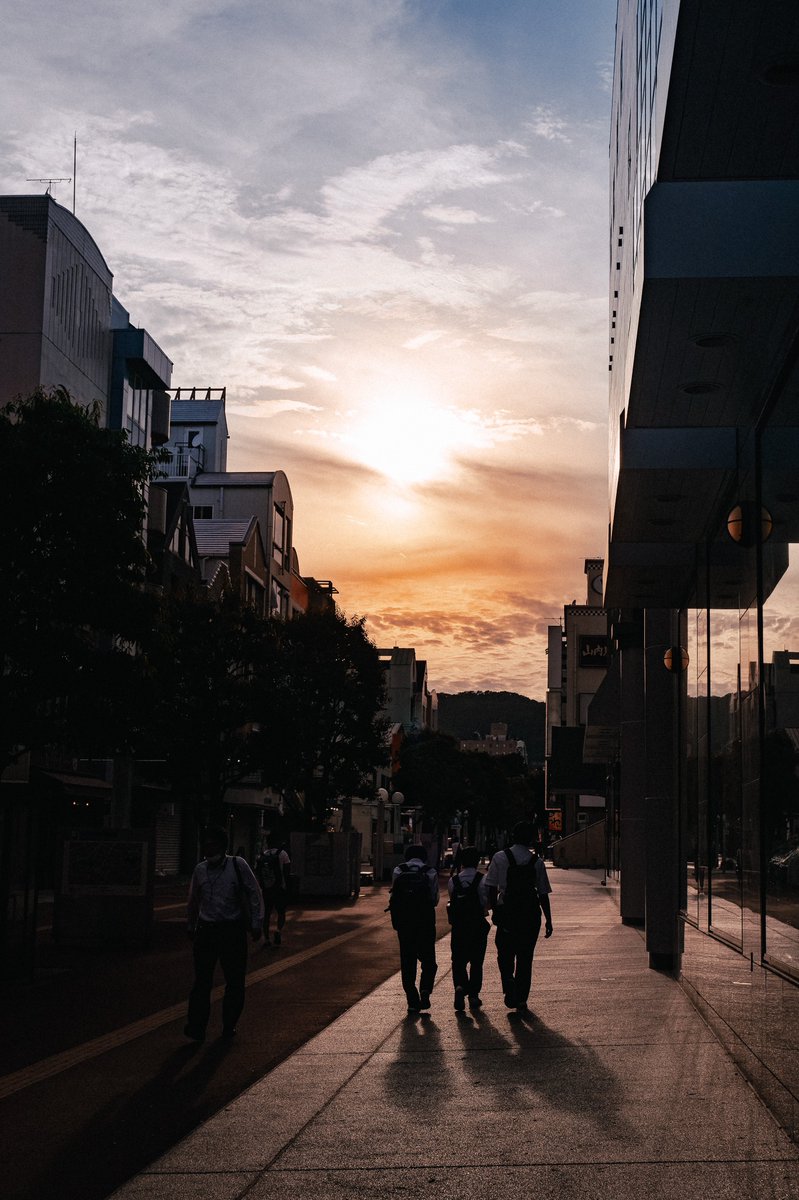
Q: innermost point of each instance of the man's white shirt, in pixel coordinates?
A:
(497, 873)
(215, 894)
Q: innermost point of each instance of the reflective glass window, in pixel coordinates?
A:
(725, 776)
(780, 651)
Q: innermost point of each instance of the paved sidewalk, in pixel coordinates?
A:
(614, 1087)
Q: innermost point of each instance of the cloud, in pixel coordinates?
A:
(544, 123)
(314, 372)
(548, 210)
(268, 408)
(455, 216)
(423, 339)
(359, 202)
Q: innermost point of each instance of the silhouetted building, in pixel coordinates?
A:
(702, 566)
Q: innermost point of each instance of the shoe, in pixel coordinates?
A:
(510, 1000)
(475, 1002)
(229, 1031)
(194, 1035)
(522, 1008)
(460, 1001)
(278, 939)
(424, 1000)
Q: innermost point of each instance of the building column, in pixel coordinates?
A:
(632, 781)
(662, 798)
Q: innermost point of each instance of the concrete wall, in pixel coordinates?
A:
(586, 848)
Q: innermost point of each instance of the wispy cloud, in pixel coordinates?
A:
(422, 339)
(545, 123)
(455, 216)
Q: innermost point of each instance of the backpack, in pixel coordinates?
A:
(520, 904)
(270, 872)
(410, 901)
(465, 907)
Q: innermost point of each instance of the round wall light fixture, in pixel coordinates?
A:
(676, 659)
(746, 524)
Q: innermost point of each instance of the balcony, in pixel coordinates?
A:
(184, 462)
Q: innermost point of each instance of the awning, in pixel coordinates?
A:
(77, 785)
(252, 797)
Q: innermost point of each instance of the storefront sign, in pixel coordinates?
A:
(594, 651)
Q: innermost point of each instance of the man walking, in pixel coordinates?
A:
(518, 892)
(468, 902)
(224, 904)
(272, 869)
(412, 904)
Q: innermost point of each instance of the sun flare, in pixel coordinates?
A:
(410, 438)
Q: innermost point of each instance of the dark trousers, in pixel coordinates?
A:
(468, 947)
(225, 944)
(274, 898)
(417, 944)
(515, 950)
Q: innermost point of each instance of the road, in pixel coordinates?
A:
(95, 1063)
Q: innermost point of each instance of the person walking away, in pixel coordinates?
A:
(518, 892)
(412, 904)
(224, 905)
(468, 903)
(272, 870)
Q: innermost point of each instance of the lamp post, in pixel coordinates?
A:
(379, 835)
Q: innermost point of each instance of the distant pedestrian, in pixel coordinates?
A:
(518, 892)
(272, 870)
(412, 904)
(467, 909)
(224, 905)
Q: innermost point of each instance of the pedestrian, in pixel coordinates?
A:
(224, 905)
(412, 904)
(467, 909)
(518, 892)
(273, 871)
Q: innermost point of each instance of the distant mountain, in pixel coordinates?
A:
(462, 714)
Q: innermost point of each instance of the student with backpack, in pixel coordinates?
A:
(272, 872)
(518, 892)
(412, 904)
(468, 903)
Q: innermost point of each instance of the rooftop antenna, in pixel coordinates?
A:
(74, 169)
(50, 182)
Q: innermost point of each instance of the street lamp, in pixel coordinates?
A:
(378, 847)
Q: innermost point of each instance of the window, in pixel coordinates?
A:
(779, 776)
(278, 533)
(694, 879)
(203, 512)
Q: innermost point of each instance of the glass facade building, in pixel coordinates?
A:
(702, 575)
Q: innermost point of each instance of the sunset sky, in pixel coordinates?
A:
(382, 226)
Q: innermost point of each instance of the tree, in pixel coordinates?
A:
(208, 662)
(321, 729)
(73, 563)
(433, 776)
